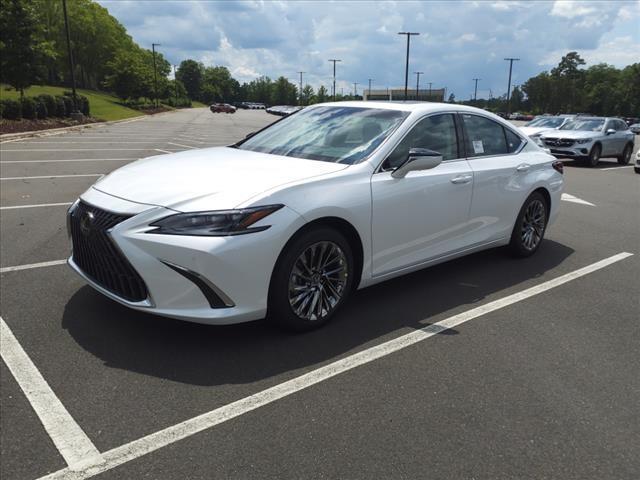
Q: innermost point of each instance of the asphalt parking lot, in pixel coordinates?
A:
(482, 368)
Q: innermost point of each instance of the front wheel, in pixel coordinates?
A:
(626, 155)
(594, 155)
(312, 279)
(530, 226)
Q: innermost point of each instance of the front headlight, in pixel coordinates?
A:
(585, 140)
(215, 224)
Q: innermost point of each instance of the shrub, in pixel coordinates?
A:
(11, 109)
(41, 108)
(50, 102)
(61, 108)
(68, 105)
(83, 104)
(28, 108)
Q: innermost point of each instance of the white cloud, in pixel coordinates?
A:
(572, 9)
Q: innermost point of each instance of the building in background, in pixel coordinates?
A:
(423, 95)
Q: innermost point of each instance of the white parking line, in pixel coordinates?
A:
(167, 436)
(93, 142)
(54, 176)
(15, 207)
(570, 198)
(80, 149)
(180, 145)
(29, 266)
(616, 168)
(72, 160)
(70, 440)
(162, 151)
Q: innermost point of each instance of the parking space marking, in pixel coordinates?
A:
(15, 207)
(616, 168)
(150, 443)
(570, 198)
(54, 176)
(29, 266)
(162, 151)
(2, 162)
(70, 440)
(80, 149)
(180, 145)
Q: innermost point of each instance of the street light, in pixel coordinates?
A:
(70, 54)
(155, 75)
(369, 88)
(475, 91)
(406, 69)
(301, 86)
(175, 82)
(430, 83)
(418, 84)
(510, 60)
(355, 89)
(334, 60)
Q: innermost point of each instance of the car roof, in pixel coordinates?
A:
(407, 106)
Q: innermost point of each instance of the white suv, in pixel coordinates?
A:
(590, 138)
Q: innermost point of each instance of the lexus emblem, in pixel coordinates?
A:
(86, 223)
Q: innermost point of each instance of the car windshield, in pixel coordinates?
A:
(546, 122)
(331, 134)
(589, 125)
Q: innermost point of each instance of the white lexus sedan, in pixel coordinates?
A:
(289, 221)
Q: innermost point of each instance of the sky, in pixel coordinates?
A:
(458, 41)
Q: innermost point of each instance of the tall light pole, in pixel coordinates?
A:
(370, 80)
(70, 54)
(334, 60)
(430, 83)
(175, 82)
(155, 75)
(301, 87)
(510, 60)
(355, 89)
(418, 84)
(475, 90)
(406, 69)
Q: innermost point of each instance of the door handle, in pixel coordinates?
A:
(462, 179)
(523, 167)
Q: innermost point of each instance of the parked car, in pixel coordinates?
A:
(636, 167)
(589, 139)
(538, 125)
(283, 110)
(635, 128)
(222, 108)
(289, 221)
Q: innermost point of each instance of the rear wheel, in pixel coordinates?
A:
(594, 155)
(530, 226)
(626, 155)
(312, 280)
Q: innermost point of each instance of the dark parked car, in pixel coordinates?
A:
(222, 108)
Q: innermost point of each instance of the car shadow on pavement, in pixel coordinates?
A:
(237, 354)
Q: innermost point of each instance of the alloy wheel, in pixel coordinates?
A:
(318, 280)
(533, 224)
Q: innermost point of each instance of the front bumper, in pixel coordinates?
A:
(180, 271)
(576, 151)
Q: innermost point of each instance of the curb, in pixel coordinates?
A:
(8, 137)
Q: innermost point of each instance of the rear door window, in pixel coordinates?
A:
(484, 136)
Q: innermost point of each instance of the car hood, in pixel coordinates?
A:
(215, 178)
(576, 134)
(534, 130)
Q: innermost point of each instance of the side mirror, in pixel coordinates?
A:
(611, 131)
(418, 159)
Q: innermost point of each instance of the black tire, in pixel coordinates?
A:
(281, 291)
(519, 245)
(636, 169)
(626, 155)
(594, 155)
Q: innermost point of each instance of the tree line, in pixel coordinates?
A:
(600, 89)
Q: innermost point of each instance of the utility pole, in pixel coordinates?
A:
(510, 60)
(418, 84)
(369, 88)
(430, 83)
(301, 86)
(155, 75)
(334, 60)
(175, 82)
(70, 54)
(475, 91)
(406, 69)
(355, 89)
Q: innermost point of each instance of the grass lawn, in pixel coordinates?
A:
(196, 104)
(101, 105)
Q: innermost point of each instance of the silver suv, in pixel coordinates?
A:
(589, 139)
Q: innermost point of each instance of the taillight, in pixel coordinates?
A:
(558, 166)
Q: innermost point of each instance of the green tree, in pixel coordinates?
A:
(131, 76)
(307, 96)
(190, 73)
(226, 87)
(283, 92)
(23, 50)
(322, 95)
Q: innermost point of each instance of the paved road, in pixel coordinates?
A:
(544, 387)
